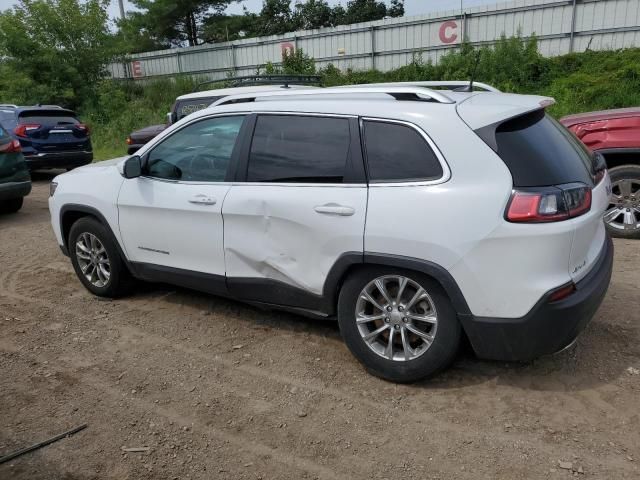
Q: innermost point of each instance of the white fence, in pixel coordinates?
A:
(561, 26)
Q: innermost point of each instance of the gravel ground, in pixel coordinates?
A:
(219, 390)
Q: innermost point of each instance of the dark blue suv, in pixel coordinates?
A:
(50, 136)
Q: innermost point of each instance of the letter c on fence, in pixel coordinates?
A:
(451, 37)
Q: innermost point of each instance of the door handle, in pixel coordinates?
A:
(335, 209)
(201, 199)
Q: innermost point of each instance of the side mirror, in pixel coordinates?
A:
(169, 120)
(132, 167)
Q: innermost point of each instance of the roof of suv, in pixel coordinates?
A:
(477, 109)
(223, 92)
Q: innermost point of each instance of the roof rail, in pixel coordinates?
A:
(49, 106)
(284, 80)
(412, 93)
(8, 105)
(446, 84)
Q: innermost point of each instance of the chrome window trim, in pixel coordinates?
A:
(446, 171)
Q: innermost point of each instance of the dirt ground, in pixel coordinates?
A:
(219, 390)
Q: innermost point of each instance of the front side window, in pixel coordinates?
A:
(397, 153)
(200, 152)
(299, 149)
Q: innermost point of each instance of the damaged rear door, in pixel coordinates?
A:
(300, 206)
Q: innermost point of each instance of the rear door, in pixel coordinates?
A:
(51, 131)
(301, 204)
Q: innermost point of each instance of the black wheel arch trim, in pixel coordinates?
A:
(89, 211)
(437, 272)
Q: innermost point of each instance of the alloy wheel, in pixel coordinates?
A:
(396, 318)
(623, 212)
(93, 259)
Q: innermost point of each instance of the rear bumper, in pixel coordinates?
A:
(58, 160)
(549, 326)
(11, 190)
(134, 147)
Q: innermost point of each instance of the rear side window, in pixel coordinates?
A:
(299, 149)
(397, 152)
(540, 152)
(47, 119)
(186, 107)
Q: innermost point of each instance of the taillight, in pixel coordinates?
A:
(21, 130)
(12, 147)
(129, 141)
(549, 204)
(83, 128)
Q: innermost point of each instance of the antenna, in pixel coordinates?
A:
(469, 88)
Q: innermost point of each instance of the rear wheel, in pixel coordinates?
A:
(623, 214)
(12, 205)
(96, 259)
(399, 324)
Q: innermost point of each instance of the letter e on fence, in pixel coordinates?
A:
(136, 69)
(447, 31)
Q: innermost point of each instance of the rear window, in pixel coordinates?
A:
(47, 119)
(186, 107)
(540, 152)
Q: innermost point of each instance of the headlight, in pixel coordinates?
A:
(52, 188)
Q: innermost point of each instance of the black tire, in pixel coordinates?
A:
(437, 356)
(120, 280)
(617, 174)
(12, 205)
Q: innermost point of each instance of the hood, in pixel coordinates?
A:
(104, 165)
(571, 120)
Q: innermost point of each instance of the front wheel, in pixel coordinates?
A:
(623, 214)
(96, 259)
(399, 324)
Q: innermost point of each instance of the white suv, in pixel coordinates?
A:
(413, 215)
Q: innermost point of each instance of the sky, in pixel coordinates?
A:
(412, 7)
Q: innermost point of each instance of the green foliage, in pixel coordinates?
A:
(293, 63)
(173, 22)
(53, 51)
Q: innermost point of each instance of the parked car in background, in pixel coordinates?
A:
(50, 136)
(193, 102)
(345, 202)
(615, 134)
(138, 138)
(15, 182)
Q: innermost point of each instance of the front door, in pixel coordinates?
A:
(172, 215)
(300, 207)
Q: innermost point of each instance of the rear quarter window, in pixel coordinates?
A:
(398, 153)
(540, 152)
(187, 107)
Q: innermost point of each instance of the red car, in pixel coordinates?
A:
(616, 135)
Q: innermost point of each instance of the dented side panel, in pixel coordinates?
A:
(291, 233)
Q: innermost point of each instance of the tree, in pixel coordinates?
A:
(313, 14)
(364, 11)
(396, 9)
(173, 22)
(275, 18)
(57, 49)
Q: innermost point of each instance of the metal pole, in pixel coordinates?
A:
(573, 26)
(373, 48)
(121, 5)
